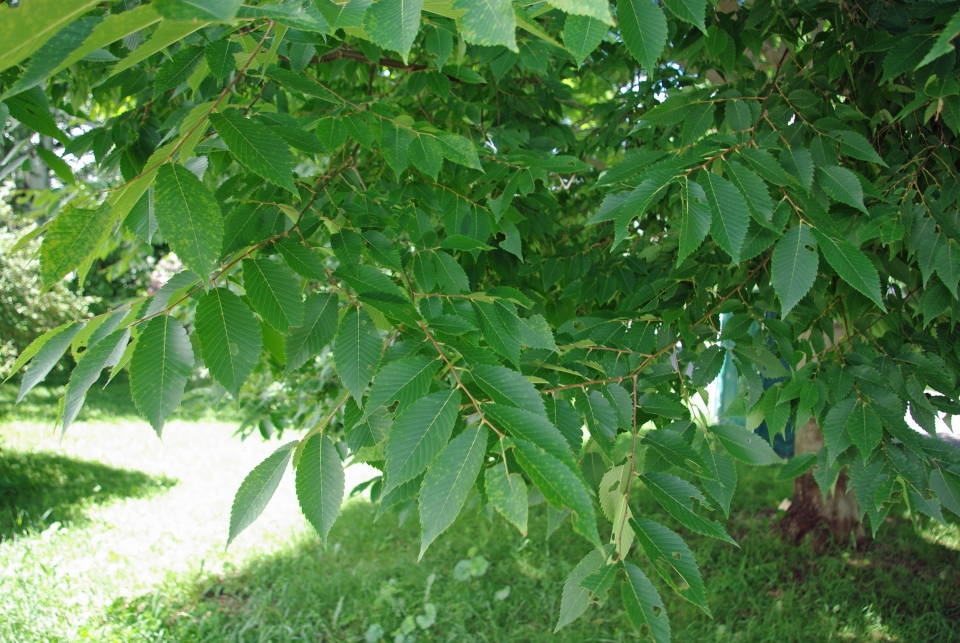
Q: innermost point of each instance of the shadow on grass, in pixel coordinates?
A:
(367, 582)
(37, 489)
(109, 403)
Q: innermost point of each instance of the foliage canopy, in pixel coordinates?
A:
(514, 220)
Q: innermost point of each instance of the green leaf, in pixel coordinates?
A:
(320, 482)
(103, 354)
(943, 45)
(44, 354)
(744, 445)
(383, 250)
(45, 60)
(27, 354)
(175, 71)
(753, 189)
(560, 486)
(256, 147)
(799, 162)
(864, 428)
(220, 57)
(450, 276)
(857, 146)
(672, 559)
(449, 479)
(795, 262)
(659, 404)
(395, 140)
(582, 34)
(112, 28)
(292, 14)
(318, 329)
(451, 325)
(652, 188)
(73, 236)
(60, 167)
(535, 332)
(206, 10)
(357, 351)
(463, 242)
(302, 259)
(763, 163)
(852, 265)
(393, 24)
(32, 108)
(643, 27)
(797, 466)
(404, 381)
(230, 338)
(24, 32)
(729, 212)
(418, 434)
(460, 150)
(189, 217)
(498, 337)
(905, 55)
(842, 185)
(343, 16)
(722, 469)
(274, 292)
(601, 419)
(487, 22)
(643, 604)
(368, 279)
(691, 11)
(699, 122)
(508, 494)
(737, 116)
(176, 288)
(708, 365)
(834, 428)
(159, 367)
(169, 32)
(674, 495)
(531, 427)
(948, 265)
(622, 404)
(600, 582)
(506, 386)
(671, 446)
(694, 220)
(946, 484)
(426, 154)
(576, 598)
(305, 84)
(257, 488)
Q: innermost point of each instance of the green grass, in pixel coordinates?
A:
(133, 566)
(905, 587)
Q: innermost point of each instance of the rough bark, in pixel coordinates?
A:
(835, 518)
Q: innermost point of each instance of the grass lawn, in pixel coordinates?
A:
(113, 535)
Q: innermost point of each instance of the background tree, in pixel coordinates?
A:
(511, 221)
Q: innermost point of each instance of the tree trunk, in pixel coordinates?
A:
(836, 517)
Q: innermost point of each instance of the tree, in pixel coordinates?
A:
(511, 221)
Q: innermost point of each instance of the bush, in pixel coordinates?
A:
(25, 311)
